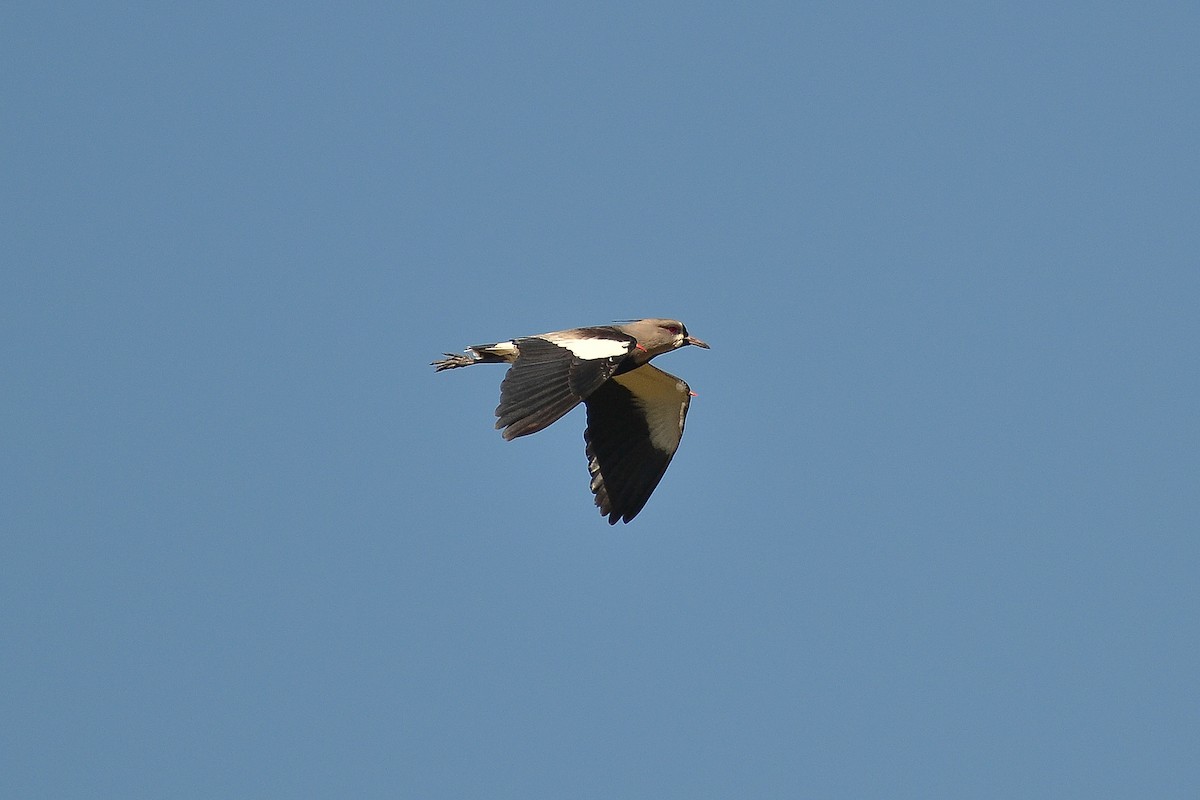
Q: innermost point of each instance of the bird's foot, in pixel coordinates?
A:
(453, 360)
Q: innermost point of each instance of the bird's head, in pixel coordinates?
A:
(657, 336)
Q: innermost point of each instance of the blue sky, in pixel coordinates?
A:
(932, 531)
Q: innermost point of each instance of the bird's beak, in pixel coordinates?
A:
(695, 341)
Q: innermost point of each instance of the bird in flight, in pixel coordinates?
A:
(635, 411)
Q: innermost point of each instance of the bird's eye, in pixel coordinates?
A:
(672, 329)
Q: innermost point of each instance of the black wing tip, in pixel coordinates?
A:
(621, 514)
(616, 516)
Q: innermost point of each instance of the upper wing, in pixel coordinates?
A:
(635, 422)
(550, 377)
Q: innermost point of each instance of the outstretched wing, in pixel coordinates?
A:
(551, 376)
(635, 422)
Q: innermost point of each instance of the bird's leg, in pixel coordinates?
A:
(453, 360)
(498, 353)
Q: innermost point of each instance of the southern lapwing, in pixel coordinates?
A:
(635, 412)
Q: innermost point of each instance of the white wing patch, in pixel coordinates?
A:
(589, 348)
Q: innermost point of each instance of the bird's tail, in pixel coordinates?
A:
(497, 353)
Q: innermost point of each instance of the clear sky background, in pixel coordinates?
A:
(932, 531)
